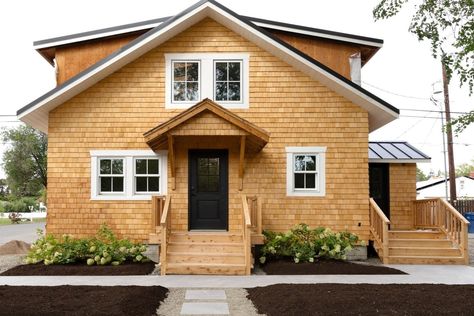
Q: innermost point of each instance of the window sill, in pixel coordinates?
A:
(144, 197)
(306, 194)
(183, 106)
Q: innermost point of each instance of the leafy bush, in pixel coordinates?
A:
(21, 205)
(304, 244)
(103, 249)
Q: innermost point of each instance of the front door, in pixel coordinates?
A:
(208, 189)
(379, 186)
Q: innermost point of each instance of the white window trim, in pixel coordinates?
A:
(206, 84)
(320, 153)
(128, 168)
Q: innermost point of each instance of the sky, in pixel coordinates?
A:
(403, 72)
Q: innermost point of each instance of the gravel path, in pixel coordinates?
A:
(239, 305)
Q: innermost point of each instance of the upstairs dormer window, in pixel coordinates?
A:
(192, 77)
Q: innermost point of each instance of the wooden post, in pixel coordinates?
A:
(172, 161)
(241, 163)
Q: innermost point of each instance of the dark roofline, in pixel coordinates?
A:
(401, 142)
(99, 31)
(316, 30)
(235, 15)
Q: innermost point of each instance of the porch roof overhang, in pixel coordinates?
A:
(256, 137)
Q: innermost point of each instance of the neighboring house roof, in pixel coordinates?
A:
(42, 46)
(36, 113)
(395, 152)
(157, 139)
(437, 188)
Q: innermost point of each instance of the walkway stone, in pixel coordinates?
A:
(205, 295)
(204, 308)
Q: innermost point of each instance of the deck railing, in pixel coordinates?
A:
(165, 224)
(157, 204)
(247, 233)
(379, 226)
(437, 213)
(255, 210)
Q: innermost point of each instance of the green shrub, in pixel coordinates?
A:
(304, 244)
(21, 205)
(102, 249)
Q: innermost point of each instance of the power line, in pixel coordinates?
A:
(432, 111)
(397, 94)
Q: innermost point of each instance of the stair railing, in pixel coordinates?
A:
(255, 210)
(437, 213)
(246, 232)
(379, 227)
(165, 224)
(157, 204)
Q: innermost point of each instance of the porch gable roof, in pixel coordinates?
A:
(157, 137)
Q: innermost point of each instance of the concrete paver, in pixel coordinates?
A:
(204, 308)
(205, 295)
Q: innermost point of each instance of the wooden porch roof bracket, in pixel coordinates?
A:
(161, 137)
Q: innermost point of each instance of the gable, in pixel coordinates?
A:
(36, 113)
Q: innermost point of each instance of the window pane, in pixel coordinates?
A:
(214, 166)
(192, 71)
(153, 166)
(192, 91)
(105, 184)
(221, 91)
(234, 91)
(310, 163)
(178, 91)
(140, 166)
(178, 71)
(117, 166)
(117, 184)
(153, 184)
(310, 181)
(213, 184)
(234, 71)
(141, 184)
(203, 166)
(299, 180)
(105, 166)
(221, 71)
(299, 163)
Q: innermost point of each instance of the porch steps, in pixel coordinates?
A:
(422, 247)
(205, 253)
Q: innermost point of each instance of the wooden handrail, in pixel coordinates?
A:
(437, 213)
(246, 234)
(379, 227)
(165, 224)
(157, 202)
(246, 211)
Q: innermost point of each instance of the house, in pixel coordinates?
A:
(200, 130)
(436, 188)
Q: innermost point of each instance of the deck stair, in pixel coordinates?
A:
(422, 247)
(205, 253)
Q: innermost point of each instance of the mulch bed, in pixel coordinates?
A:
(82, 269)
(81, 300)
(289, 267)
(363, 299)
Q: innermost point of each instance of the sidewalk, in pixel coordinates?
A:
(430, 274)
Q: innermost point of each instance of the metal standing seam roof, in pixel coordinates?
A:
(395, 152)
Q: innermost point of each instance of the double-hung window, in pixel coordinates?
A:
(147, 175)
(305, 171)
(128, 174)
(192, 77)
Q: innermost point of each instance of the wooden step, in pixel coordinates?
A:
(432, 243)
(424, 260)
(203, 268)
(424, 251)
(204, 257)
(415, 234)
(206, 237)
(204, 247)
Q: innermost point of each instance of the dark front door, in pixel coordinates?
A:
(379, 186)
(208, 189)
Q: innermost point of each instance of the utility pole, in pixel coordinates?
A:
(449, 134)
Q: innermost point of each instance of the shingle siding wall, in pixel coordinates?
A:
(293, 108)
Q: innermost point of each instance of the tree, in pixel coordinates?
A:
(449, 27)
(464, 169)
(24, 161)
(420, 176)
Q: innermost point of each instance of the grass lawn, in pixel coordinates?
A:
(7, 221)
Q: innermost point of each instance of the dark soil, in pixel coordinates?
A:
(81, 300)
(289, 267)
(363, 299)
(82, 269)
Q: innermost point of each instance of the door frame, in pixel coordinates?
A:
(224, 181)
